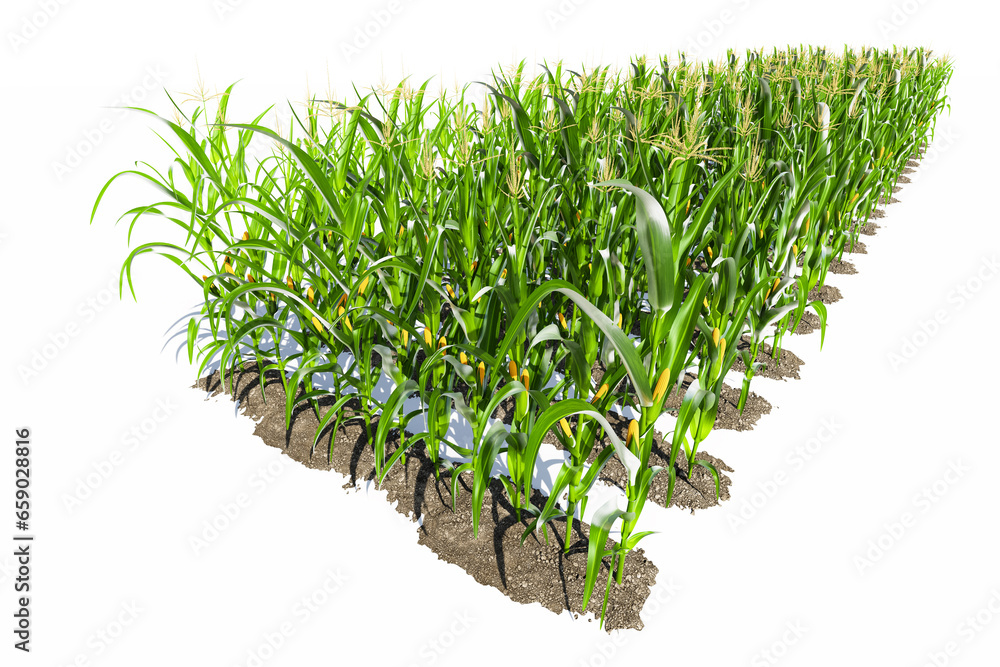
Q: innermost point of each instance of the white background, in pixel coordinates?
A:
(729, 590)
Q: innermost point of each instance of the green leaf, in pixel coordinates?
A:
(653, 231)
(621, 342)
(600, 526)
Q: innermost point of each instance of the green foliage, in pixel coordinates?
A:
(466, 250)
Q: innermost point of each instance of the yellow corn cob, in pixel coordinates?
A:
(311, 295)
(633, 434)
(347, 320)
(463, 358)
(562, 321)
(512, 369)
(722, 347)
(661, 385)
(363, 286)
(774, 286)
(715, 336)
(565, 427)
(427, 337)
(450, 291)
(316, 323)
(442, 341)
(290, 282)
(482, 373)
(601, 393)
(526, 378)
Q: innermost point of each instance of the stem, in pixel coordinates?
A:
(570, 515)
(626, 532)
(607, 592)
(743, 394)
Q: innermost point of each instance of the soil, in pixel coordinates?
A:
(857, 248)
(841, 267)
(878, 213)
(808, 324)
(905, 179)
(534, 572)
(786, 366)
(911, 164)
(907, 170)
(729, 417)
(896, 189)
(867, 229)
(892, 200)
(826, 294)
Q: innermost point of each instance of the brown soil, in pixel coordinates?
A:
(808, 324)
(535, 572)
(878, 213)
(908, 170)
(892, 200)
(841, 267)
(826, 294)
(867, 229)
(857, 248)
(905, 179)
(911, 164)
(728, 417)
(786, 366)
(896, 189)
